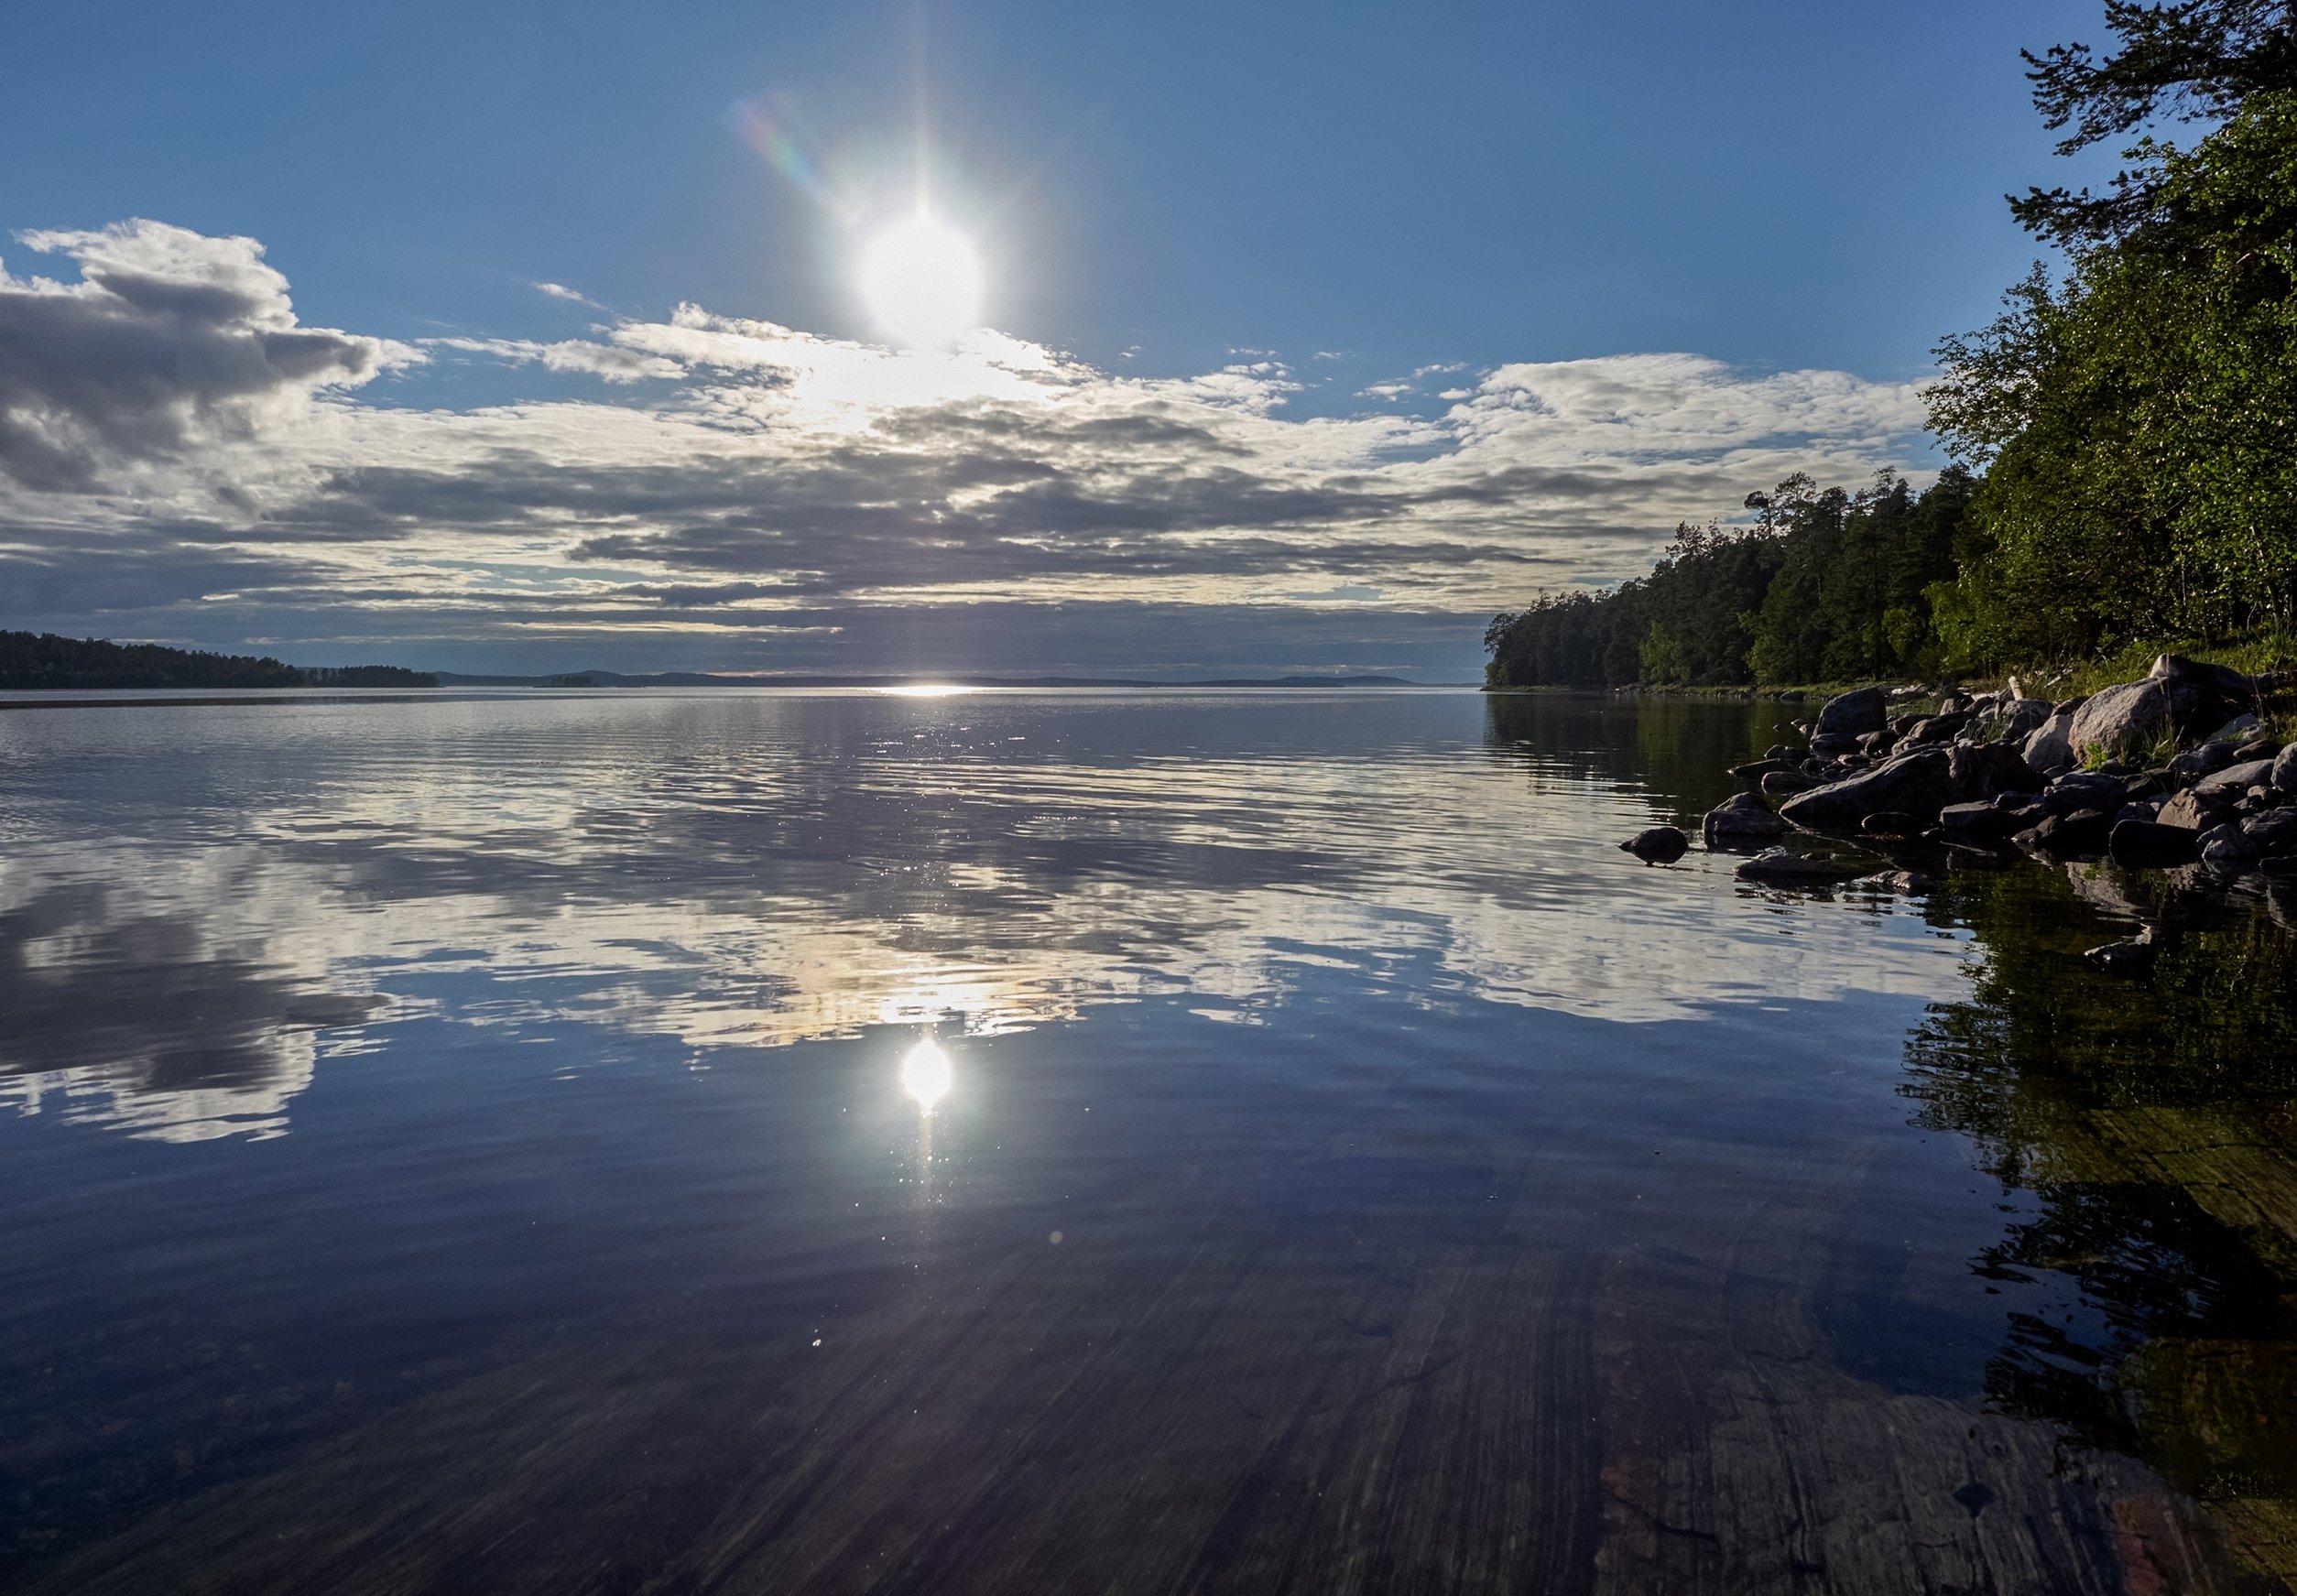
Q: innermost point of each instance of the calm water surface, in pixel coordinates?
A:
(463, 1145)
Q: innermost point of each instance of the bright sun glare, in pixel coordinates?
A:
(925, 1073)
(921, 281)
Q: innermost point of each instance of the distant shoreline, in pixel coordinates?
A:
(147, 698)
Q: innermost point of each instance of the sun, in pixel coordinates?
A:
(921, 281)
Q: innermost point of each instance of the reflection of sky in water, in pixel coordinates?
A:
(199, 907)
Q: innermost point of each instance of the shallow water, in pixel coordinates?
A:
(462, 1144)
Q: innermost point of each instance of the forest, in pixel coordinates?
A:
(43, 660)
(2122, 439)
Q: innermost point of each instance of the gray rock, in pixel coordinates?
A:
(1980, 770)
(1916, 783)
(2228, 853)
(1852, 714)
(2206, 760)
(2221, 680)
(2285, 776)
(1981, 823)
(2049, 746)
(2083, 789)
(2236, 732)
(2236, 779)
(2274, 833)
(1785, 867)
(2193, 811)
(1833, 742)
(2135, 712)
(1742, 822)
(1780, 783)
(1660, 845)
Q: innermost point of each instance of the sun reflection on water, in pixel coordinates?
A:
(925, 1073)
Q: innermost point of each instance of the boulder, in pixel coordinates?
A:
(1829, 744)
(2236, 779)
(2049, 746)
(2012, 720)
(1785, 867)
(2075, 836)
(1780, 783)
(2083, 789)
(1979, 770)
(2285, 776)
(2194, 812)
(2133, 713)
(1660, 845)
(1895, 826)
(1918, 782)
(1852, 714)
(1938, 728)
(2143, 846)
(1980, 823)
(2274, 833)
(2221, 680)
(2206, 760)
(2239, 730)
(2226, 853)
(1740, 822)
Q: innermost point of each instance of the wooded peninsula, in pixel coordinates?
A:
(2122, 438)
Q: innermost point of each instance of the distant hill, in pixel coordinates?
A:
(45, 660)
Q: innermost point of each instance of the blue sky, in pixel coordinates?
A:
(1419, 224)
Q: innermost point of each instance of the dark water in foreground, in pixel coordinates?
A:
(462, 1146)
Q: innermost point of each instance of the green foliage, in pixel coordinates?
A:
(1827, 586)
(2138, 422)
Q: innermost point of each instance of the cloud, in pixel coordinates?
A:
(171, 340)
(561, 291)
(604, 361)
(180, 456)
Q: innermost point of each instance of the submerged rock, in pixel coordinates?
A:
(1660, 845)
(1785, 867)
(2134, 957)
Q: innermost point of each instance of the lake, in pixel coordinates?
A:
(1163, 1141)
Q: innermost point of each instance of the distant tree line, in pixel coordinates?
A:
(2125, 434)
(1827, 585)
(45, 660)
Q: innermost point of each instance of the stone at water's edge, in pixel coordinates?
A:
(1785, 867)
(1918, 782)
(1852, 714)
(1741, 820)
(1660, 845)
(2144, 845)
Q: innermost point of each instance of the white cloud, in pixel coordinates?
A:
(168, 430)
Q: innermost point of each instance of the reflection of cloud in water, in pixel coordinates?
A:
(740, 871)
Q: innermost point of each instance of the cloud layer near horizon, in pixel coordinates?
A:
(179, 457)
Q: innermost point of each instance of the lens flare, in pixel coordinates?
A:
(925, 1073)
(921, 281)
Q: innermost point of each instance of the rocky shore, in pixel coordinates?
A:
(2176, 773)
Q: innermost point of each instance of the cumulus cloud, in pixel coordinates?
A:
(168, 427)
(170, 339)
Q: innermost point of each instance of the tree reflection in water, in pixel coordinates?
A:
(2156, 1123)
